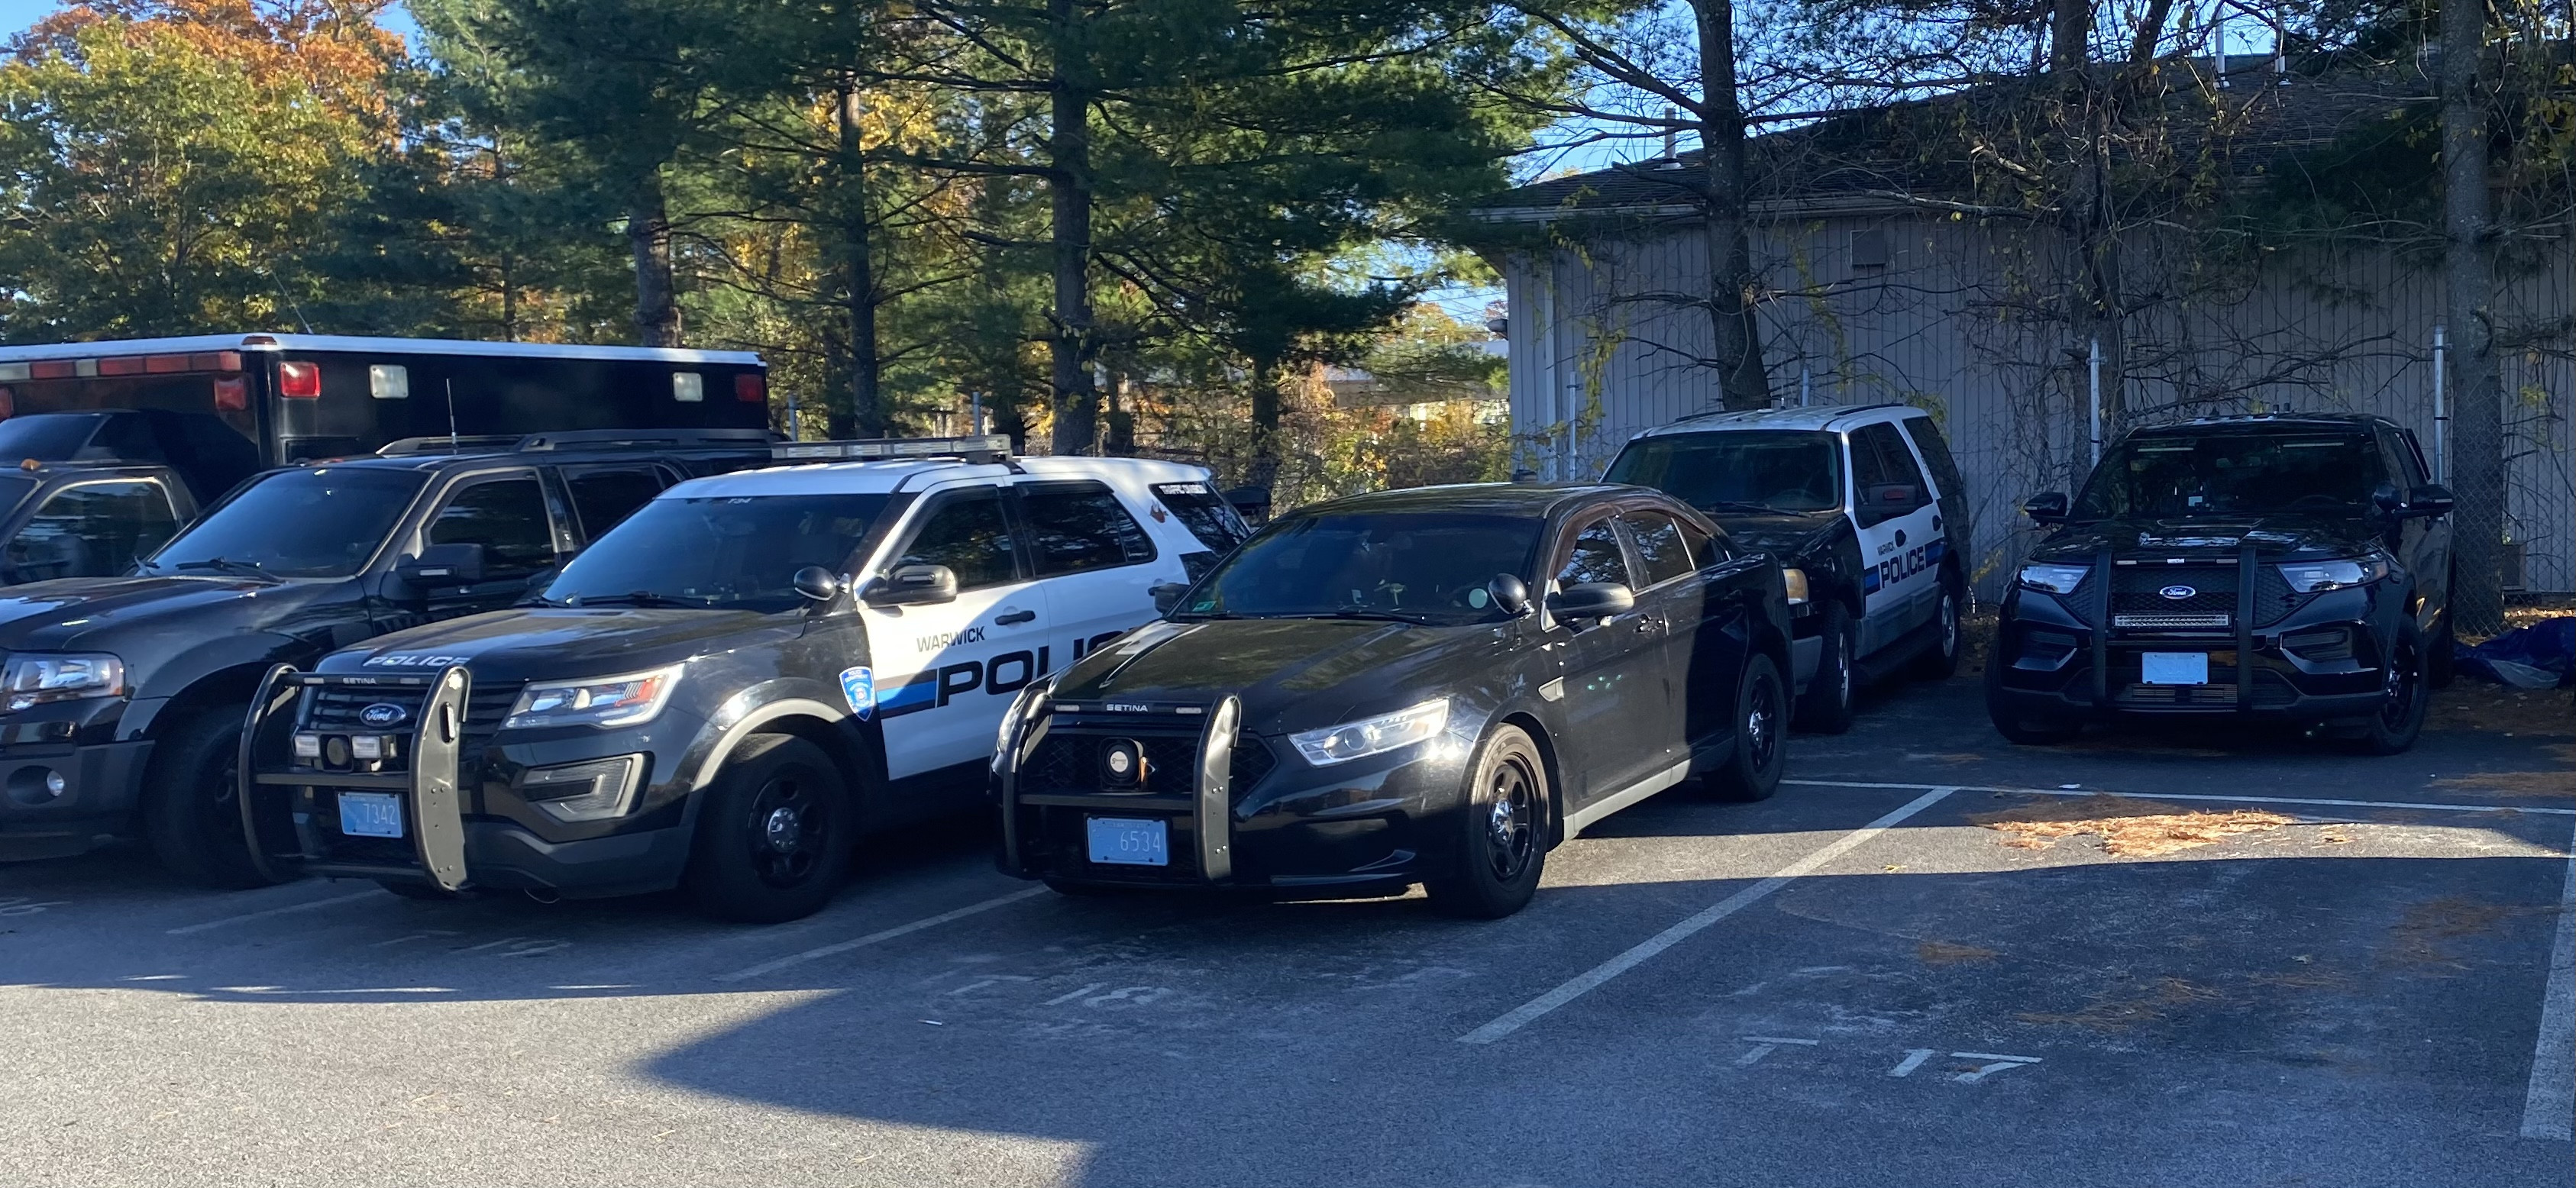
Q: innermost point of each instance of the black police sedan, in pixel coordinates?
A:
(2283, 567)
(1426, 686)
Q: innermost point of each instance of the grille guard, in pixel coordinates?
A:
(278, 801)
(2104, 622)
(1210, 805)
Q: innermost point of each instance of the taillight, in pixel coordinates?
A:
(750, 389)
(299, 381)
(232, 394)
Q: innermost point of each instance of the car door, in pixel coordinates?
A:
(505, 512)
(943, 672)
(2422, 543)
(1893, 512)
(1096, 562)
(1617, 702)
(1704, 621)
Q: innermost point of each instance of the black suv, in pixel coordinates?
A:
(2282, 567)
(122, 698)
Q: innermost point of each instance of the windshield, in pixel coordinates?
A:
(1751, 470)
(1427, 567)
(738, 552)
(322, 522)
(2232, 474)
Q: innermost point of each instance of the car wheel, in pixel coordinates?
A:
(1937, 662)
(774, 837)
(1498, 848)
(192, 804)
(2403, 700)
(1752, 769)
(2017, 727)
(1826, 706)
(2439, 656)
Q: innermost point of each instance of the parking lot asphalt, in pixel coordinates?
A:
(2144, 958)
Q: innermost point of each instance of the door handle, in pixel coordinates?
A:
(1010, 618)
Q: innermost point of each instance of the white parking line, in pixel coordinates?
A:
(876, 937)
(2549, 1108)
(2377, 804)
(1583, 983)
(288, 910)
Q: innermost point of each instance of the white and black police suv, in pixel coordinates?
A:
(729, 689)
(1864, 508)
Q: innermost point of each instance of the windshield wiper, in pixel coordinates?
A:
(1354, 612)
(225, 565)
(645, 598)
(1739, 505)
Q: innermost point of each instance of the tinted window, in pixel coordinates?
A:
(1594, 557)
(1074, 528)
(603, 497)
(2232, 473)
(1432, 566)
(321, 522)
(739, 552)
(505, 516)
(1661, 547)
(1895, 465)
(1936, 452)
(1752, 470)
(91, 530)
(966, 533)
(1205, 513)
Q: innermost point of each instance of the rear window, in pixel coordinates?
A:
(1205, 513)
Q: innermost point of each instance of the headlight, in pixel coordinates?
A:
(1372, 736)
(2316, 577)
(592, 791)
(2055, 579)
(608, 701)
(34, 678)
(1796, 579)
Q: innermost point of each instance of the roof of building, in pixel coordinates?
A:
(372, 346)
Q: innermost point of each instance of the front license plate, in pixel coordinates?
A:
(2174, 668)
(1125, 841)
(371, 814)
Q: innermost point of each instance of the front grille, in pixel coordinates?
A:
(485, 707)
(2170, 622)
(336, 707)
(1252, 760)
(1069, 761)
(2273, 597)
(2138, 601)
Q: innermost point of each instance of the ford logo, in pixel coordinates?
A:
(2177, 593)
(384, 713)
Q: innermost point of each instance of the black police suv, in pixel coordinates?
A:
(1426, 686)
(124, 695)
(2277, 567)
(1866, 511)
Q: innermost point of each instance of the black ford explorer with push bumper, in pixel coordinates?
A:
(1427, 686)
(121, 699)
(2283, 567)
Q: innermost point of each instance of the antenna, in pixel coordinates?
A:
(451, 414)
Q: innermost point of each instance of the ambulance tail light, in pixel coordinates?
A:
(750, 388)
(232, 394)
(299, 380)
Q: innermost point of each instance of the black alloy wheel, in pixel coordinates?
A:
(775, 834)
(1499, 848)
(192, 804)
(1761, 752)
(1826, 706)
(1937, 662)
(2403, 701)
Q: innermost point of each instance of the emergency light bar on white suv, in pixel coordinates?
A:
(985, 447)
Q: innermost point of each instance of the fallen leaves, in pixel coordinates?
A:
(2127, 827)
(2122, 1010)
(2559, 781)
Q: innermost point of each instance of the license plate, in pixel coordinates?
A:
(2174, 668)
(371, 814)
(1124, 841)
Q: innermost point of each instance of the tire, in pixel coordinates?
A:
(775, 835)
(1938, 662)
(1761, 752)
(1826, 706)
(192, 804)
(1497, 847)
(2018, 728)
(2400, 720)
(2440, 654)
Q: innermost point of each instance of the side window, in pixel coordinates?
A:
(1936, 452)
(1868, 469)
(1079, 526)
(1661, 548)
(92, 530)
(1896, 463)
(2399, 457)
(505, 516)
(965, 531)
(603, 497)
(1205, 513)
(1594, 557)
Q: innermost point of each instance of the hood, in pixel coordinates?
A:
(1785, 535)
(557, 643)
(78, 614)
(2277, 537)
(1292, 674)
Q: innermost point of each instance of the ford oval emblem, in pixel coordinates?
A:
(2177, 593)
(384, 713)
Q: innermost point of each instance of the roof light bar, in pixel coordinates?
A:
(985, 447)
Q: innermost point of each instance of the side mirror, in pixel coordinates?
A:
(2431, 499)
(2388, 499)
(913, 585)
(1591, 600)
(1166, 595)
(2046, 509)
(1510, 594)
(443, 565)
(816, 584)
